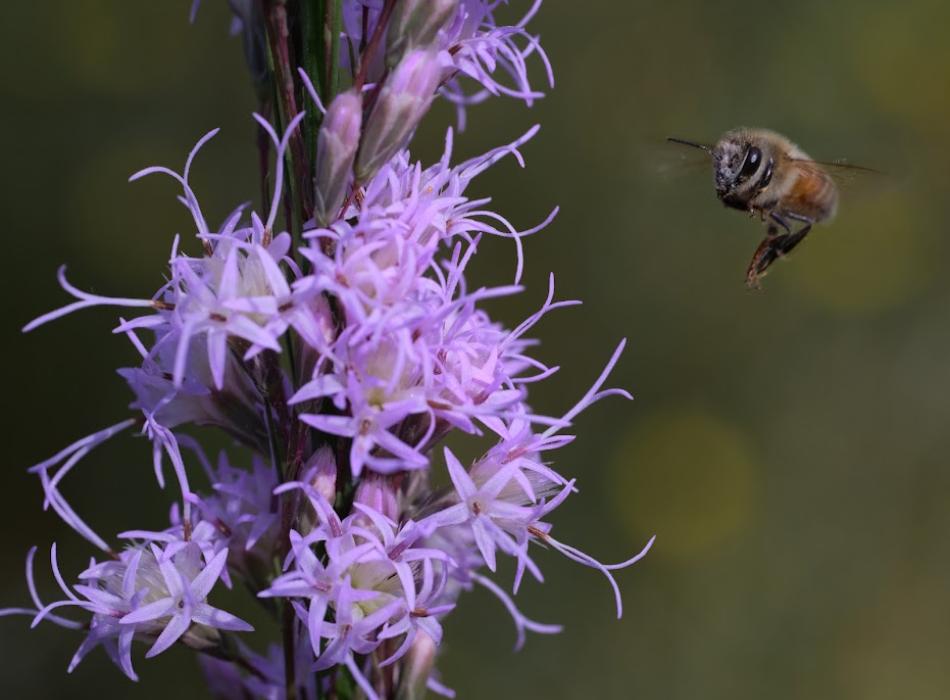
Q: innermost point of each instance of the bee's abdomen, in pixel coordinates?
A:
(813, 195)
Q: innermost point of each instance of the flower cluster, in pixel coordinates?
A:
(337, 357)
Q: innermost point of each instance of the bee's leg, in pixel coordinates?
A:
(770, 249)
(786, 242)
(780, 221)
(799, 217)
(790, 240)
(764, 256)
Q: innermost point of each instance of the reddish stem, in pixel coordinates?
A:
(282, 57)
(370, 51)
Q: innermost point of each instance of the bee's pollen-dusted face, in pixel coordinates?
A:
(742, 167)
(728, 157)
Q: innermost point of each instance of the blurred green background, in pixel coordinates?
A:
(788, 447)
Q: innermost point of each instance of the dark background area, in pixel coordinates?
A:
(788, 447)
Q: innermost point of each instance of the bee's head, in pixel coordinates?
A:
(741, 169)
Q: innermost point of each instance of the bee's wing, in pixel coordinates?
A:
(857, 182)
(841, 170)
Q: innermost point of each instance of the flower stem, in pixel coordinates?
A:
(332, 24)
(320, 23)
(282, 59)
(373, 45)
(228, 650)
(290, 672)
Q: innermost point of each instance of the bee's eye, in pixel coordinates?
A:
(752, 159)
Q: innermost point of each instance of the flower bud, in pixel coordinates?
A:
(403, 99)
(421, 658)
(379, 493)
(320, 471)
(416, 23)
(336, 147)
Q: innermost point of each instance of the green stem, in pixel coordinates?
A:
(332, 25)
(310, 62)
(321, 22)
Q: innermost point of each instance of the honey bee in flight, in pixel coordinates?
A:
(763, 173)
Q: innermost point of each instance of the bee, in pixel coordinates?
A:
(763, 173)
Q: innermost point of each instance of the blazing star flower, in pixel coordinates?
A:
(472, 46)
(145, 594)
(480, 47)
(334, 356)
(240, 505)
(186, 586)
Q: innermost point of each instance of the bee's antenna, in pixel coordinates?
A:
(700, 146)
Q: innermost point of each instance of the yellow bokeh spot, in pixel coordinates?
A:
(687, 476)
(875, 256)
(895, 647)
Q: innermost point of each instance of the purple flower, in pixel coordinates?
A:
(177, 601)
(355, 613)
(236, 292)
(472, 46)
(241, 505)
(368, 428)
(335, 356)
(479, 49)
(145, 593)
(422, 619)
